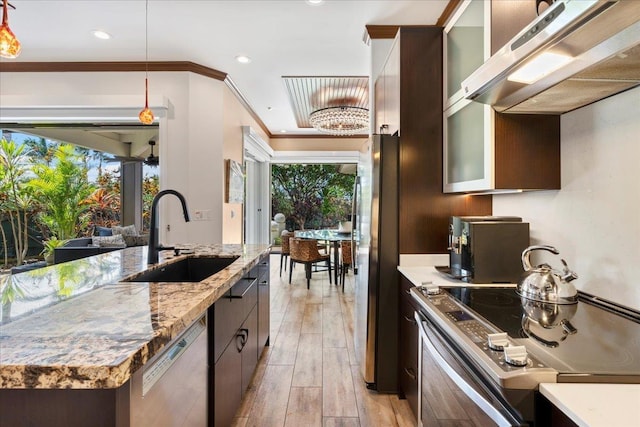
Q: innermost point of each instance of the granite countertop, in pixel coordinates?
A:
(77, 325)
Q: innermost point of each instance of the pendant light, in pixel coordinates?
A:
(9, 44)
(146, 115)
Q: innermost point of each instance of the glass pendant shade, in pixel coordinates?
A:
(146, 115)
(9, 44)
(341, 120)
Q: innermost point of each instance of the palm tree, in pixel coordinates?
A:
(63, 190)
(16, 202)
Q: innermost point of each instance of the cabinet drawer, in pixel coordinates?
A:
(246, 292)
(227, 319)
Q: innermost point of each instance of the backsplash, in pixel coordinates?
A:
(594, 220)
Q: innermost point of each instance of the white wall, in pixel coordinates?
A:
(594, 220)
(190, 144)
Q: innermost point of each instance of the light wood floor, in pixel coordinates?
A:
(309, 376)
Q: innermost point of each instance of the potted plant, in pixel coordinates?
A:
(49, 246)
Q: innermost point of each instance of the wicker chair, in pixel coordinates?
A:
(346, 259)
(284, 252)
(305, 251)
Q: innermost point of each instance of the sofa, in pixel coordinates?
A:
(83, 247)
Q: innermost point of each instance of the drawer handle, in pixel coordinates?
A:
(410, 372)
(241, 339)
(264, 283)
(253, 280)
(410, 320)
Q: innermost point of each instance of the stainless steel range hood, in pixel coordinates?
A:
(598, 41)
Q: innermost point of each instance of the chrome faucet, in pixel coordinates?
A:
(154, 244)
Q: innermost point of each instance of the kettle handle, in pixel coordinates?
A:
(526, 263)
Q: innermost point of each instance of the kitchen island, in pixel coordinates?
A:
(82, 326)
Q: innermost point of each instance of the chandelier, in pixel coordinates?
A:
(340, 120)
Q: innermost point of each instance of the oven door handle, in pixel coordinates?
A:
(431, 341)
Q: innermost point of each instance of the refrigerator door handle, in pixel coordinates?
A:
(354, 219)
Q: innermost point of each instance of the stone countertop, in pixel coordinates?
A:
(596, 405)
(77, 325)
(586, 404)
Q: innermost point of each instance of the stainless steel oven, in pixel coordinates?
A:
(451, 388)
(483, 352)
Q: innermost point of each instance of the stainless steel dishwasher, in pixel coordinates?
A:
(171, 389)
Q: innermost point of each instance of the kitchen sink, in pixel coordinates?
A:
(186, 270)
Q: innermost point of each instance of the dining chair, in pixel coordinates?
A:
(305, 251)
(346, 259)
(284, 251)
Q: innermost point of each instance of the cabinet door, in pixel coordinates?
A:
(408, 348)
(250, 349)
(468, 147)
(227, 390)
(392, 88)
(263, 305)
(379, 102)
(467, 40)
(387, 93)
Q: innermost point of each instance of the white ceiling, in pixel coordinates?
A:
(282, 37)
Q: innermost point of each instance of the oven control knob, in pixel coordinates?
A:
(428, 288)
(516, 355)
(498, 342)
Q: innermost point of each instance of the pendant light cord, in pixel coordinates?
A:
(146, 38)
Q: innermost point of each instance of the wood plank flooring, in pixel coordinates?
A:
(309, 375)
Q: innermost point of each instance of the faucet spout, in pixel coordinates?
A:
(154, 244)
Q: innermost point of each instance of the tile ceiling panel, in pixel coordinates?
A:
(308, 94)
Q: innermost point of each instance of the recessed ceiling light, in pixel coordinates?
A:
(269, 108)
(102, 35)
(314, 2)
(243, 59)
(283, 131)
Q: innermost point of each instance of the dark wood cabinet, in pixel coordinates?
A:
(240, 331)
(264, 306)
(408, 347)
(227, 387)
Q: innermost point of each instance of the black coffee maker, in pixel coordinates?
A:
(487, 249)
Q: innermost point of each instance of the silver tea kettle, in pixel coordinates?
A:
(543, 283)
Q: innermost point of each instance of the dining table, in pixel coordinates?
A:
(334, 237)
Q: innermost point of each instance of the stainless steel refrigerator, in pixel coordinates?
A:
(376, 284)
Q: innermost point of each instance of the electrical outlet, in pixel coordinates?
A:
(202, 215)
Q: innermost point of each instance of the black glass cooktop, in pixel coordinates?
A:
(574, 339)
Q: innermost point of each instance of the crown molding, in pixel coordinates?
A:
(123, 66)
(320, 136)
(447, 12)
(381, 31)
(315, 157)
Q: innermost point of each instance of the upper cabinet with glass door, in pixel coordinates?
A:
(467, 125)
(466, 46)
(485, 151)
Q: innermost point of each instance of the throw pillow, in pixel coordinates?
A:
(141, 240)
(103, 231)
(128, 230)
(115, 241)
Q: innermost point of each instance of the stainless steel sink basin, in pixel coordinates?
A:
(186, 270)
